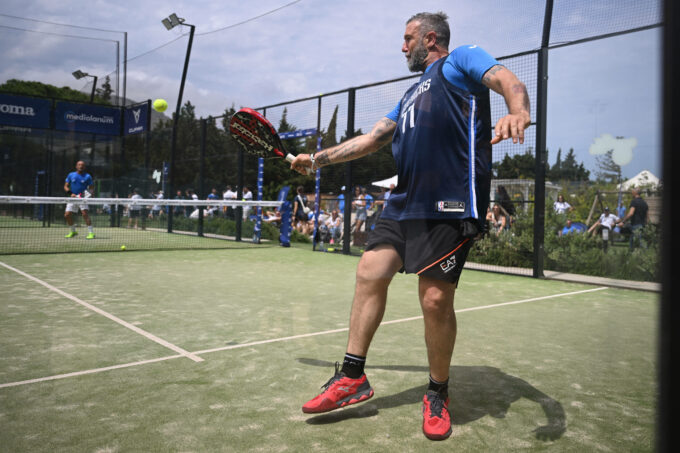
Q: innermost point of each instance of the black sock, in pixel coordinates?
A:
(353, 365)
(440, 387)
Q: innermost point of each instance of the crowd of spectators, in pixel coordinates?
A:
(366, 208)
(501, 216)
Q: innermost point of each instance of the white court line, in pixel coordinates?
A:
(523, 301)
(95, 370)
(275, 340)
(113, 318)
(395, 321)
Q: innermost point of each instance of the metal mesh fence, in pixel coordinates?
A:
(575, 20)
(514, 249)
(35, 162)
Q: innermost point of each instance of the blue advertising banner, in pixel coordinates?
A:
(135, 119)
(297, 134)
(286, 225)
(23, 111)
(92, 119)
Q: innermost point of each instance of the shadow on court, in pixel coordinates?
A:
(475, 392)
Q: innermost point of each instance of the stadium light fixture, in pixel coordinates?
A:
(78, 74)
(171, 22)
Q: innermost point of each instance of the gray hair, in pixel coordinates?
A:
(437, 22)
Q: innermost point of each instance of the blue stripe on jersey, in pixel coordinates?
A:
(472, 157)
(442, 151)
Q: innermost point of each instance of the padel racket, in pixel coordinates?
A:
(257, 136)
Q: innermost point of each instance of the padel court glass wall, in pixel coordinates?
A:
(35, 162)
(531, 244)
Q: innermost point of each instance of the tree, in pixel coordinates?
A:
(104, 93)
(28, 88)
(608, 170)
(523, 166)
(333, 176)
(328, 138)
(31, 88)
(568, 169)
(572, 171)
(518, 166)
(555, 169)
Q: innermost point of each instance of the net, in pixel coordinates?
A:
(39, 224)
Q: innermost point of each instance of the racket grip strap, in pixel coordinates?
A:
(290, 158)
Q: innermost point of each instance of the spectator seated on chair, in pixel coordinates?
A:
(498, 221)
(607, 220)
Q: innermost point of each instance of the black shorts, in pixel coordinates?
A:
(428, 247)
(300, 215)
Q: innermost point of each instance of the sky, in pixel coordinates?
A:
(270, 51)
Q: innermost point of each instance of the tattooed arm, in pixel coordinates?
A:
(351, 149)
(505, 83)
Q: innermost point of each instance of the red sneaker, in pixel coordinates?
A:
(340, 391)
(436, 418)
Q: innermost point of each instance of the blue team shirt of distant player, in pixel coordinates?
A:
(441, 144)
(79, 183)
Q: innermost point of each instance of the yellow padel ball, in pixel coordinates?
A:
(160, 105)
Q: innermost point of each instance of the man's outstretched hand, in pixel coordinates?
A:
(511, 125)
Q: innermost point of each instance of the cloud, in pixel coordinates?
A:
(622, 148)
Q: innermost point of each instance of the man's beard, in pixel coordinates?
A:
(416, 63)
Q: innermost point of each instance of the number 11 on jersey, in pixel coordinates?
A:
(408, 113)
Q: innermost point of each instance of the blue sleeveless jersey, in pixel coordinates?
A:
(442, 149)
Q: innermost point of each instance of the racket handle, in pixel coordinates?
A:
(290, 158)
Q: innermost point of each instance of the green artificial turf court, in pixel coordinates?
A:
(217, 350)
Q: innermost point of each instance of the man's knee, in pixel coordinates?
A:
(437, 299)
(379, 264)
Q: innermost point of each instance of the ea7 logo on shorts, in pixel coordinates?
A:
(449, 264)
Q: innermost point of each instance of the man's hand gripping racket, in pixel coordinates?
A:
(257, 136)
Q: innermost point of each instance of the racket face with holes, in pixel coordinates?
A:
(256, 134)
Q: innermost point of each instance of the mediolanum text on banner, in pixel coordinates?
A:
(87, 118)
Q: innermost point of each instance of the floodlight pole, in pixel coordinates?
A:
(78, 74)
(173, 144)
(94, 86)
(125, 70)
